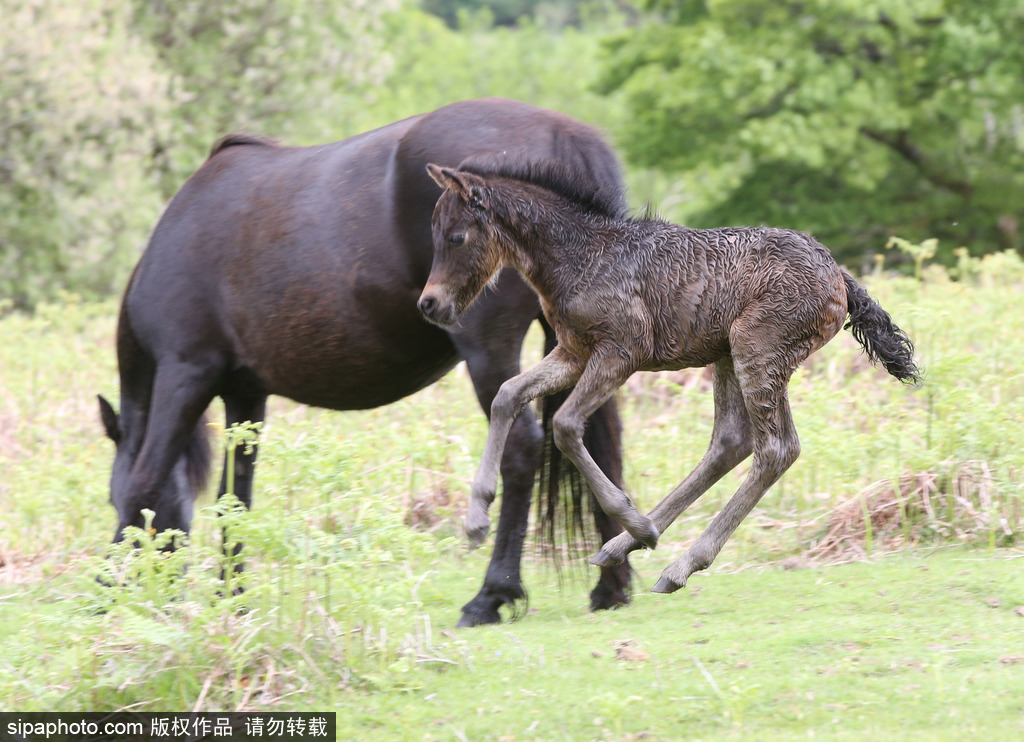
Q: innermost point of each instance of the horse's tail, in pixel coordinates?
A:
(883, 341)
(564, 498)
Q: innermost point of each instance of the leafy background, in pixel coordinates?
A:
(855, 120)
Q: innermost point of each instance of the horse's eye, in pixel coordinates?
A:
(456, 239)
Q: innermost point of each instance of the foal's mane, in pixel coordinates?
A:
(572, 183)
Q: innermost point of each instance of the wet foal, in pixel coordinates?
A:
(627, 295)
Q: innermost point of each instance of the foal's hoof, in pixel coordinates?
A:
(477, 534)
(644, 531)
(665, 585)
(477, 523)
(604, 559)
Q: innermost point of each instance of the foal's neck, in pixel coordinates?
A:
(551, 241)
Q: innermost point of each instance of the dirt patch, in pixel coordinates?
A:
(22, 569)
(434, 507)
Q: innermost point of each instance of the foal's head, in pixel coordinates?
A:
(466, 253)
(489, 206)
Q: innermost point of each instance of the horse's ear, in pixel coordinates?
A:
(469, 187)
(109, 418)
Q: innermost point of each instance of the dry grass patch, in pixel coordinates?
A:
(956, 501)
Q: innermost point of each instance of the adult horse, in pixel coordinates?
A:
(295, 271)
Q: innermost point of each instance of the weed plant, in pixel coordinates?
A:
(355, 564)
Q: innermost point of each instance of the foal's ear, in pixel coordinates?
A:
(470, 188)
(109, 418)
(443, 176)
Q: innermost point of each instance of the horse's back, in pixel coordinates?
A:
(285, 261)
(301, 266)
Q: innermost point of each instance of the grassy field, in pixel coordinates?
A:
(877, 590)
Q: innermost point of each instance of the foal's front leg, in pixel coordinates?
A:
(557, 371)
(604, 374)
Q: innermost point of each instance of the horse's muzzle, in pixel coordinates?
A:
(436, 311)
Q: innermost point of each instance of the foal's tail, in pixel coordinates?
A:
(883, 341)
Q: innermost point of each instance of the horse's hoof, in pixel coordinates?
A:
(604, 559)
(608, 600)
(665, 585)
(469, 621)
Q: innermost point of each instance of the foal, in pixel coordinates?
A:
(627, 295)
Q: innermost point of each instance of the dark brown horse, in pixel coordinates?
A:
(295, 271)
(627, 295)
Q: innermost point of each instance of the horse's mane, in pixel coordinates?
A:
(240, 139)
(575, 184)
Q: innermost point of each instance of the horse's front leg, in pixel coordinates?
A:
(557, 371)
(605, 372)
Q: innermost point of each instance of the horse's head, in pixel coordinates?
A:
(171, 500)
(466, 254)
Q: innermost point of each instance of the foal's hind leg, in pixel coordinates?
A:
(730, 443)
(603, 375)
(776, 447)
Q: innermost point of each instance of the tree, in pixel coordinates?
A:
(510, 12)
(433, 65)
(106, 106)
(80, 103)
(280, 67)
(848, 118)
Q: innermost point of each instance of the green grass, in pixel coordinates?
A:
(349, 607)
(765, 653)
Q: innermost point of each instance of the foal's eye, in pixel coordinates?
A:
(456, 239)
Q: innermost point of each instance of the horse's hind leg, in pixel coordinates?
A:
(603, 374)
(603, 439)
(776, 447)
(730, 443)
(240, 408)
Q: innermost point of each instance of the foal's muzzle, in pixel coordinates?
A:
(434, 309)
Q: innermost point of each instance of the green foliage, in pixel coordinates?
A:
(853, 120)
(556, 13)
(281, 68)
(82, 103)
(433, 65)
(109, 105)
